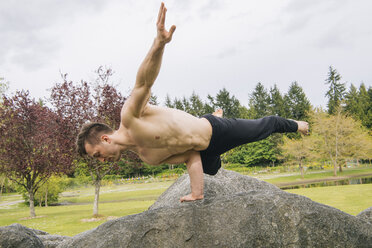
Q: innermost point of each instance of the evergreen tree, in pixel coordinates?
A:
(336, 90)
(229, 104)
(178, 104)
(368, 118)
(186, 105)
(197, 106)
(358, 103)
(364, 103)
(352, 103)
(296, 103)
(276, 102)
(153, 99)
(168, 102)
(259, 101)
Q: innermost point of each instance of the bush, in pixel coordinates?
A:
(50, 189)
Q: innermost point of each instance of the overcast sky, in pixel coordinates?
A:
(217, 43)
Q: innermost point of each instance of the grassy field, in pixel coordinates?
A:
(121, 200)
(351, 199)
(69, 220)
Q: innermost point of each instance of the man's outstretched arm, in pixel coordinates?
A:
(149, 69)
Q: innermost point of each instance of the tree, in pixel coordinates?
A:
(229, 104)
(3, 88)
(352, 103)
(153, 99)
(368, 118)
(168, 102)
(336, 90)
(299, 150)
(342, 138)
(259, 101)
(296, 102)
(77, 103)
(31, 151)
(276, 105)
(197, 106)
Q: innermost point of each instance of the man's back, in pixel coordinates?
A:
(161, 132)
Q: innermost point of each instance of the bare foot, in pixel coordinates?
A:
(190, 197)
(303, 127)
(218, 113)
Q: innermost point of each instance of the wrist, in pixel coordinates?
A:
(159, 42)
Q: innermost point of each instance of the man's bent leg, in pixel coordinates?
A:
(195, 170)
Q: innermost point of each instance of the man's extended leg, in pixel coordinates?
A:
(230, 133)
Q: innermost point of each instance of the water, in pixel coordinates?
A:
(350, 181)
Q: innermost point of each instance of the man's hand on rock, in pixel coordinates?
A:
(191, 197)
(163, 36)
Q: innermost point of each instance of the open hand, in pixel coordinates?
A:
(163, 35)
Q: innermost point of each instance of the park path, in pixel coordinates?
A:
(10, 203)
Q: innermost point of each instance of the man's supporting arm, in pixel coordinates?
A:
(149, 69)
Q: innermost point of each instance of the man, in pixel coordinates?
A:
(164, 135)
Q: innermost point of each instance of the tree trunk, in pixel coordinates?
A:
(335, 168)
(302, 170)
(32, 203)
(97, 184)
(46, 196)
(2, 186)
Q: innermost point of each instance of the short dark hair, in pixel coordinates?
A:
(90, 133)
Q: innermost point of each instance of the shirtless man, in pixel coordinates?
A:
(163, 135)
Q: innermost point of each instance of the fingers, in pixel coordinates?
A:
(172, 29)
(163, 16)
(160, 13)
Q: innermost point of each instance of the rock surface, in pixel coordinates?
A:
(238, 211)
(366, 215)
(19, 236)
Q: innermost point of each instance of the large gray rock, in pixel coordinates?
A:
(366, 215)
(238, 211)
(19, 236)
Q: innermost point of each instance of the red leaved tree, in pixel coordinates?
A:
(78, 103)
(31, 150)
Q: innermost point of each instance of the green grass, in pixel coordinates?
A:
(351, 199)
(67, 220)
(126, 192)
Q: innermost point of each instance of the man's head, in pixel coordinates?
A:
(94, 140)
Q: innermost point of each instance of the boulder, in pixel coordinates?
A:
(366, 215)
(238, 211)
(19, 236)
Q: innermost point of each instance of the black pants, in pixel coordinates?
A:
(230, 133)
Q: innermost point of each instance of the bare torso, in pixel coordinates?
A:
(163, 133)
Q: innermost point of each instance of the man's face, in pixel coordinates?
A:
(105, 151)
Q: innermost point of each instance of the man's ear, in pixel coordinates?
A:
(105, 138)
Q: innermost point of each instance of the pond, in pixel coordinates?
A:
(350, 181)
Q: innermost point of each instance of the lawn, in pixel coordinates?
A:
(351, 199)
(69, 220)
